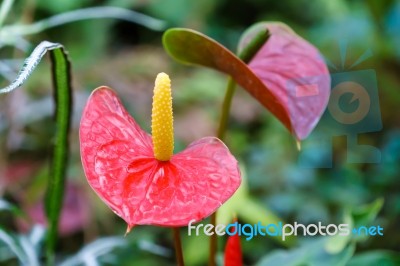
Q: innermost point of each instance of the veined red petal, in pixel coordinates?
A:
(192, 185)
(295, 72)
(119, 164)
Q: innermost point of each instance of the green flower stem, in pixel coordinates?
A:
(178, 246)
(248, 52)
(226, 106)
(223, 122)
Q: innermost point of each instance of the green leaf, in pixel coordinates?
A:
(7, 206)
(230, 209)
(366, 214)
(249, 211)
(60, 153)
(360, 216)
(379, 9)
(21, 247)
(311, 253)
(378, 257)
(253, 212)
(192, 47)
(92, 253)
(337, 243)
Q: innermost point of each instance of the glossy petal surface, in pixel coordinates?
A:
(118, 160)
(294, 70)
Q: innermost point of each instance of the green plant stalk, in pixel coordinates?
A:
(59, 156)
(226, 106)
(248, 52)
(60, 153)
(213, 242)
(178, 246)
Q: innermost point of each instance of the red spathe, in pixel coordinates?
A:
(117, 157)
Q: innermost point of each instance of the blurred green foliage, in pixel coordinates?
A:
(127, 57)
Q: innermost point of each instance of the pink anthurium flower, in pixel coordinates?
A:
(137, 175)
(294, 71)
(287, 75)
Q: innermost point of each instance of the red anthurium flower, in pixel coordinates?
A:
(233, 251)
(137, 175)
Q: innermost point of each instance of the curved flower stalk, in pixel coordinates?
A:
(137, 175)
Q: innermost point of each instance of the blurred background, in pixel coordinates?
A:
(127, 56)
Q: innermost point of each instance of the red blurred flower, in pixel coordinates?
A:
(233, 251)
(75, 213)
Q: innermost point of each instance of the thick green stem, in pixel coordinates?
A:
(60, 153)
(178, 246)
